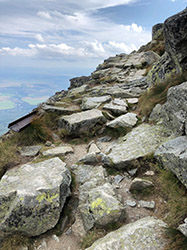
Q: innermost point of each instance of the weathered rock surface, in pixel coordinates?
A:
(94, 102)
(176, 38)
(98, 203)
(82, 122)
(77, 91)
(30, 151)
(35, 208)
(173, 156)
(61, 150)
(173, 113)
(143, 140)
(146, 233)
(117, 106)
(139, 185)
(60, 110)
(158, 31)
(183, 228)
(147, 204)
(128, 120)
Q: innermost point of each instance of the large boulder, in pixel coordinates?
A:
(146, 233)
(142, 140)
(98, 203)
(32, 197)
(128, 120)
(173, 156)
(158, 31)
(173, 113)
(176, 38)
(81, 122)
(117, 106)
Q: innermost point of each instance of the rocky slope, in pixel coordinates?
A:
(103, 150)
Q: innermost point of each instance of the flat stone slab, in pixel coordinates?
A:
(132, 100)
(146, 233)
(117, 106)
(142, 140)
(61, 110)
(62, 150)
(173, 156)
(30, 151)
(94, 102)
(82, 122)
(32, 196)
(128, 120)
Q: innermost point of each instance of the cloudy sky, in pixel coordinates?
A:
(72, 37)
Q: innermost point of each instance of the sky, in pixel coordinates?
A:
(69, 38)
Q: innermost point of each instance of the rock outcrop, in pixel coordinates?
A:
(146, 233)
(143, 140)
(173, 156)
(173, 113)
(32, 197)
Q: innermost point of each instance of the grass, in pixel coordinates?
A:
(8, 155)
(16, 242)
(177, 241)
(158, 94)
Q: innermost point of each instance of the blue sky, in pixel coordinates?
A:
(69, 37)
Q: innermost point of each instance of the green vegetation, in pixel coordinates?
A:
(158, 94)
(16, 242)
(7, 155)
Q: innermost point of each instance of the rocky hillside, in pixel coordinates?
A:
(104, 164)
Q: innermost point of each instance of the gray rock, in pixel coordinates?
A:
(48, 143)
(176, 37)
(130, 203)
(143, 140)
(162, 70)
(61, 110)
(173, 156)
(183, 228)
(90, 158)
(33, 196)
(118, 179)
(82, 122)
(77, 91)
(98, 203)
(30, 151)
(94, 102)
(158, 31)
(139, 185)
(146, 233)
(78, 81)
(128, 120)
(173, 113)
(117, 106)
(61, 150)
(147, 204)
(104, 139)
(133, 171)
(132, 100)
(93, 148)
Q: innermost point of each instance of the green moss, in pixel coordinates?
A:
(47, 197)
(99, 207)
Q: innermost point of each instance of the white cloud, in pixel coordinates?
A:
(44, 14)
(136, 28)
(39, 38)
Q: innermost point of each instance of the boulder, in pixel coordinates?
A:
(77, 91)
(128, 120)
(94, 102)
(146, 233)
(30, 151)
(142, 140)
(176, 38)
(117, 106)
(32, 196)
(61, 150)
(78, 81)
(173, 113)
(183, 228)
(139, 186)
(98, 203)
(173, 156)
(81, 122)
(147, 204)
